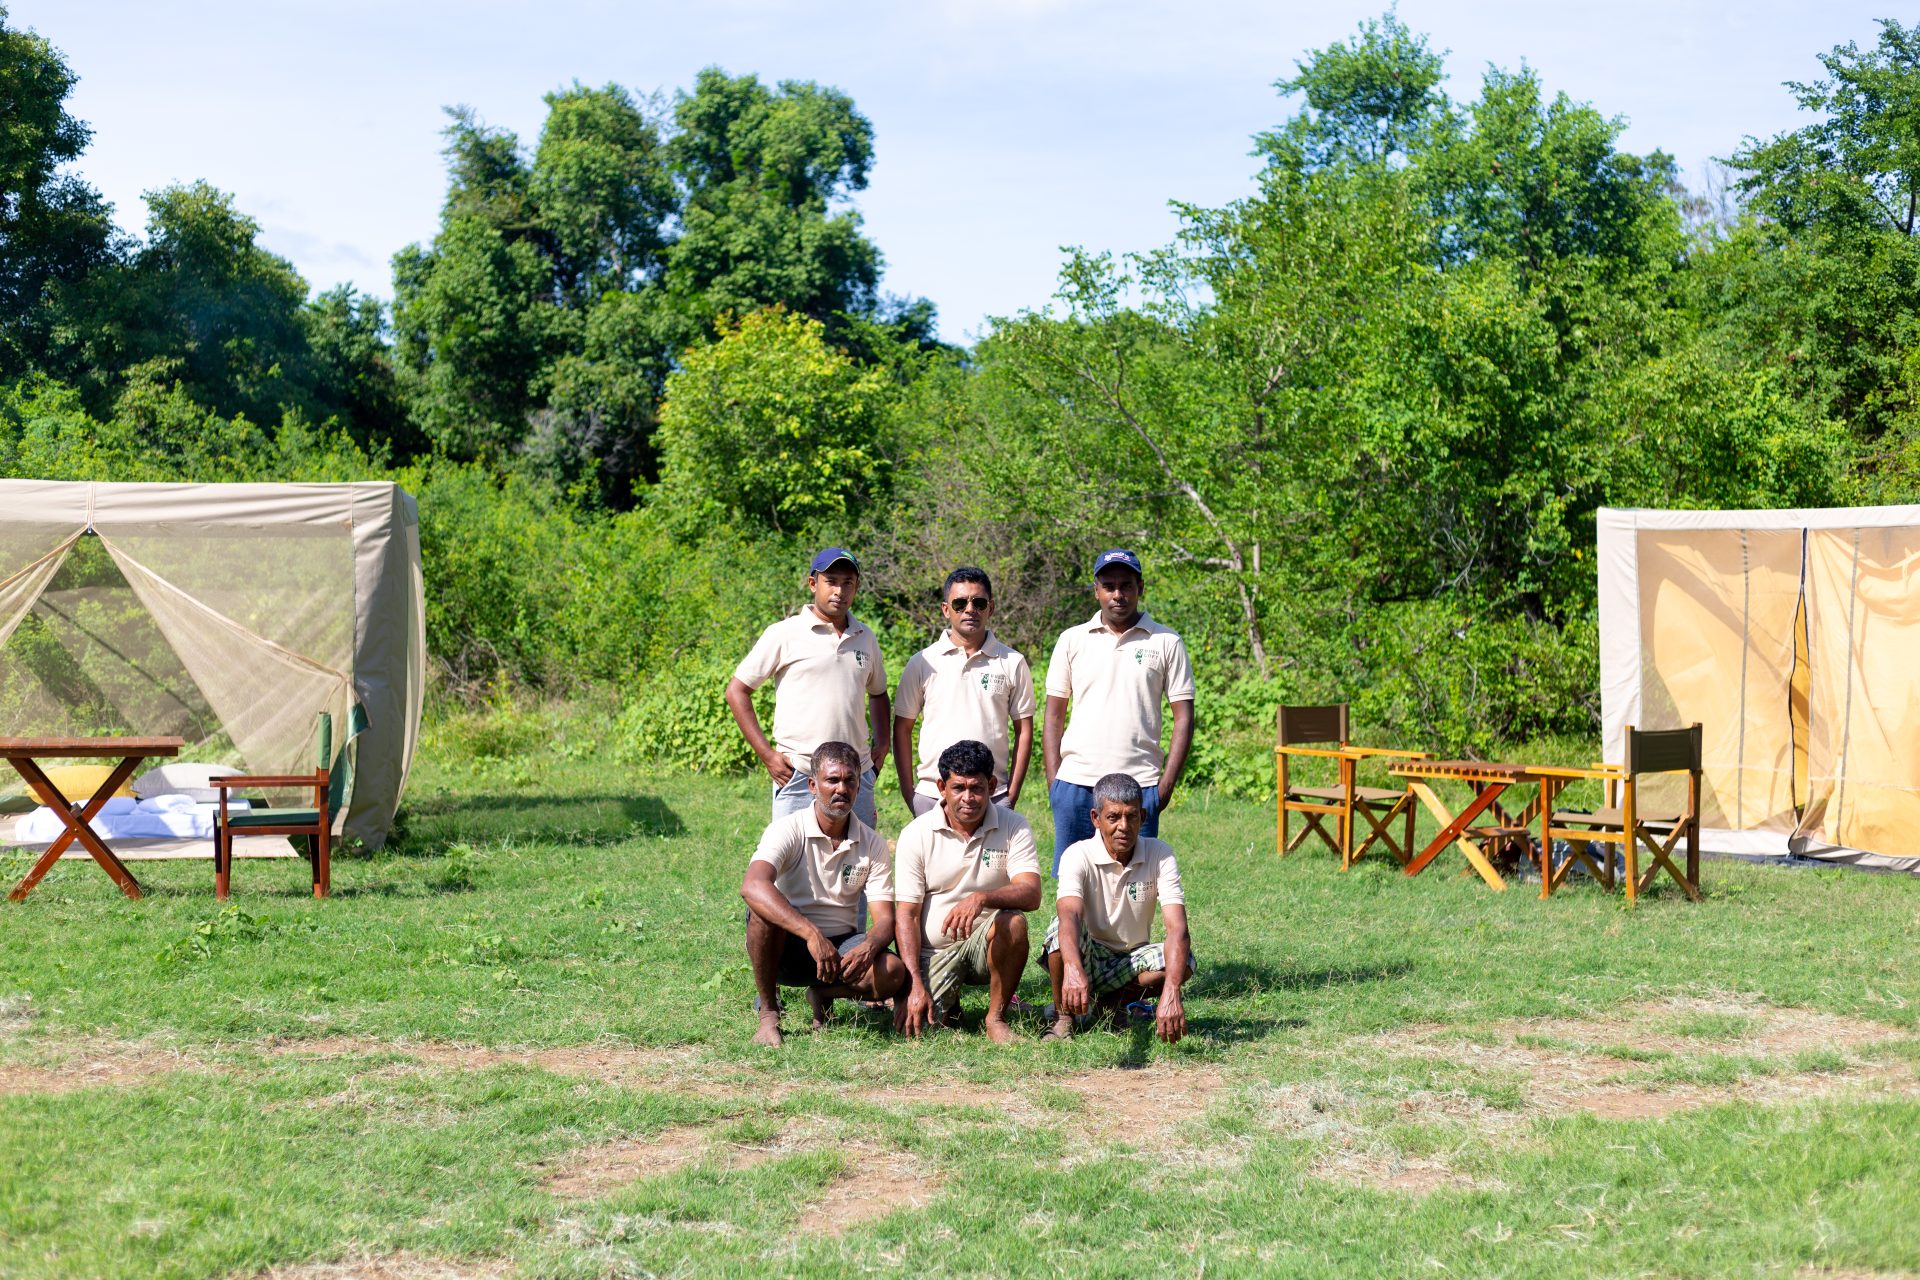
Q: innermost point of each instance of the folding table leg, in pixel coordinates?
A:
(77, 826)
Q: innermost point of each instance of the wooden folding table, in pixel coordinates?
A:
(1488, 779)
(21, 753)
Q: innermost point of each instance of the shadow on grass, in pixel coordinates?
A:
(426, 828)
(1250, 978)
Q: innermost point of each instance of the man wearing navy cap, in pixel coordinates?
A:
(1115, 670)
(830, 685)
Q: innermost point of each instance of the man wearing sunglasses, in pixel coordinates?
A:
(965, 686)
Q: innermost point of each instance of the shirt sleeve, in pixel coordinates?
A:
(877, 675)
(880, 877)
(1060, 668)
(1022, 856)
(1171, 894)
(1179, 673)
(776, 847)
(910, 867)
(762, 661)
(1020, 700)
(913, 679)
(1073, 883)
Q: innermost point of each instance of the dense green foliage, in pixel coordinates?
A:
(1357, 422)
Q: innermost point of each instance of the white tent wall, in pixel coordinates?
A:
(281, 601)
(1698, 613)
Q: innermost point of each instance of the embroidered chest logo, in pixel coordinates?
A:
(846, 874)
(859, 659)
(1139, 657)
(1133, 891)
(986, 856)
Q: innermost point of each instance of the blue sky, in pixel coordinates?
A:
(1004, 128)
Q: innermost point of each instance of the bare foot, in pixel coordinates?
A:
(997, 1029)
(822, 1006)
(769, 1032)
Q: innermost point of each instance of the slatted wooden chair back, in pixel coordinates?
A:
(1322, 732)
(1303, 726)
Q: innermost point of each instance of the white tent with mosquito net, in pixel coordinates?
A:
(1793, 638)
(230, 615)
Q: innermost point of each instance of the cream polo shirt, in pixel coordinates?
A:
(821, 683)
(1116, 684)
(936, 866)
(956, 697)
(822, 877)
(1117, 901)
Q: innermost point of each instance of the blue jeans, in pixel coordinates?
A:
(795, 796)
(1072, 806)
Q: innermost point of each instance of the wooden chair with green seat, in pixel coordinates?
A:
(1627, 824)
(1322, 732)
(329, 784)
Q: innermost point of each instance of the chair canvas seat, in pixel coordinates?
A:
(1610, 818)
(1335, 793)
(273, 818)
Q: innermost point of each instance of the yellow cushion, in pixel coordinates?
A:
(77, 782)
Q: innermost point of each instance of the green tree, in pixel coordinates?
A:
(54, 229)
(773, 426)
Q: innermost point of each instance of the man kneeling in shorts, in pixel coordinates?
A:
(803, 891)
(966, 874)
(1099, 948)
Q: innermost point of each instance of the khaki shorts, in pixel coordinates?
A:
(1108, 970)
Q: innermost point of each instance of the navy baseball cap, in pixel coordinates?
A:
(830, 557)
(1117, 556)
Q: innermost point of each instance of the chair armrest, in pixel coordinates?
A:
(1389, 751)
(1600, 772)
(1323, 752)
(227, 783)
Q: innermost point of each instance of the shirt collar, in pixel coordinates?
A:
(811, 828)
(1142, 623)
(989, 823)
(1100, 854)
(819, 623)
(989, 648)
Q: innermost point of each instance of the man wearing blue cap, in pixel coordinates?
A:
(1115, 670)
(830, 685)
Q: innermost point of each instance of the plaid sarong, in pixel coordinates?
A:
(962, 964)
(1109, 970)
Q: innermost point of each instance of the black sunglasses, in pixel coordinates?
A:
(966, 604)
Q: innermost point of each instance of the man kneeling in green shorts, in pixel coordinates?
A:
(964, 876)
(1099, 948)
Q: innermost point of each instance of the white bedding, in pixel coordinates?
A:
(169, 817)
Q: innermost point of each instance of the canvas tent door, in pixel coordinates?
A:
(229, 615)
(1793, 638)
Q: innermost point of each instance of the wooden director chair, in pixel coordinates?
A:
(1623, 822)
(312, 825)
(1321, 733)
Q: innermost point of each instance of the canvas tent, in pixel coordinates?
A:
(229, 614)
(1793, 638)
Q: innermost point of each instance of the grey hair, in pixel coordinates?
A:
(1118, 788)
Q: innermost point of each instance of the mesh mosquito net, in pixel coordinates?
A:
(230, 615)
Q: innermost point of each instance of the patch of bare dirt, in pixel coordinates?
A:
(941, 1095)
(1140, 1105)
(1385, 1171)
(94, 1066)
(656, 1068)
(392, 1266)
(1849, 1273)
(1591, 1064)
(607, 1166)
(876, 1182)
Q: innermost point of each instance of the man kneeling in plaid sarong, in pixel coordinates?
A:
(1099, 948)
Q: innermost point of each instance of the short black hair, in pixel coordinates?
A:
(966, 758)
(837, 753)
(1118, 788)
(965, 573)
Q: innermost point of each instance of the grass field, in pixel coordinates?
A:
(517, 1045)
